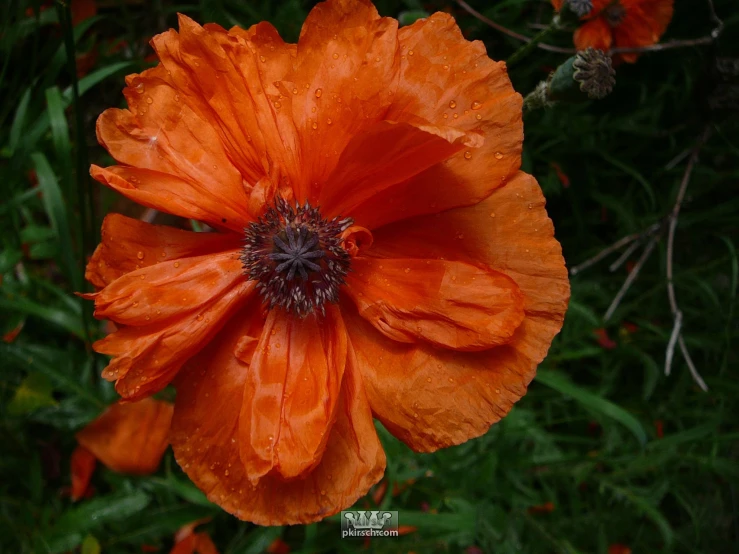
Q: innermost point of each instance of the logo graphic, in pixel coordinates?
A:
(369, 523)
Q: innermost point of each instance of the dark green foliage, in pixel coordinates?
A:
(623, 453)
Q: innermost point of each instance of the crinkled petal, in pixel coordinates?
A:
(447, 304)
(162, 133)
(206, 441)
(129, 244)
(227, 78)
(449, 81)
(291, 394)
(345, 79)
(170, 194)
(129, 437)
(169, 312)
(383, 156)
(432, 398)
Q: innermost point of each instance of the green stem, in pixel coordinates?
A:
(527, 48)
(84, 189)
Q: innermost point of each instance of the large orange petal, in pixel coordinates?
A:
(511, 233)
(205, 438)
(169, 312)
(448, 304)
(595, 33)
(449, 81)
(129, 244)
(227, 77)
(162, 133)
(168, 193)
(291, 394)
(385, 155)
(129, 437)
(345, 79)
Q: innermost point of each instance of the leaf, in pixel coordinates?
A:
(19, 122)
(69, 530)
(90, 545)
(34, 392)
(563, 385)
(56, 210)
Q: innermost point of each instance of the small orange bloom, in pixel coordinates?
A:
(622, 23)
(424, 291)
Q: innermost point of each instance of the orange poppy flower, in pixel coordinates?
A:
(128, 437)
(424, 290)
(622, 23)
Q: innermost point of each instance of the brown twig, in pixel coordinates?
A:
(632, 277)
(677, 314)
(615, 246)
(513, 34)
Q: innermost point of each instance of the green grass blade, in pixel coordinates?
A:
(563, 385)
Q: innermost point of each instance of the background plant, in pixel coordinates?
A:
(604, 450)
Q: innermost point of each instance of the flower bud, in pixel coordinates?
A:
(589, 71)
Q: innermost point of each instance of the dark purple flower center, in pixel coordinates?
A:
(296, 257)
(614, 14)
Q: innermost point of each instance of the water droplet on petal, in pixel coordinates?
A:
(140, 255)
(335, 56)
(476, 105)
(277, 105)
(200, 317)
(498, 156)
(329, 121)
(478, 116)
(315, 125)
(262, 59)
(295, 91)
(468, 155)
(177, 264)
(410, 52)
(452, 104)
(455, 116)
(407, 270)
(319, 92)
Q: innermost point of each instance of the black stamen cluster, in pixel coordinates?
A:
(296, 257)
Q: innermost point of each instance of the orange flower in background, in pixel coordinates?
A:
(187, 541)
(127, 438)
(377, 252)
(622, 24)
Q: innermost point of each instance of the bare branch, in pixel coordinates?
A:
(672, 342)
(513, 34)
(691, 366)
(625, 256)
(615, 246)
(631, 278)
(677, 314)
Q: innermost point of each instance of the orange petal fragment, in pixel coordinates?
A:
(447, 304)
(83, 465)
(129, 437)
